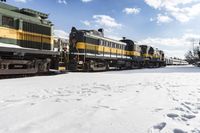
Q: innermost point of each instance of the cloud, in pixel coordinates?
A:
(173, 47)
(86, 1)
(151, 19)
(62, 2)
(22, 1)
(163, 19)
(86, 22)
(107, 21)
(181, 10)
(115, 37)
(132, 10)
(109, 24)
(61, 34)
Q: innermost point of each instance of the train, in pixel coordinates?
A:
(90, 50)
(27, 46)
(175, 61)
(26, 41)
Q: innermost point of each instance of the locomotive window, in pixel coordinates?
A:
(106, 43)
(7, 21)
(92, 41)
(30, 27)
(117, 46)
(113, 45)
(102, 42)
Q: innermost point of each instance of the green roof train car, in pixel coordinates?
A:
(26, 41)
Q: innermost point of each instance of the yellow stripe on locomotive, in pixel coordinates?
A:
(10, 33)
(105, 49)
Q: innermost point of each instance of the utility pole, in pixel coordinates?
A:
(193, 44)
(199, 42)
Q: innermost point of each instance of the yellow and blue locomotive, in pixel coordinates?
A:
(91, 51)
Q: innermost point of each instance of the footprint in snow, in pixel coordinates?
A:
(104, 106)
(158, 127)
(172, 115)
(157, 88)
(158, 109)
(195, 131)
(186, 106)
(174, 99)
(188, 116)
(108, 95)
(178, 131)
(78, 99)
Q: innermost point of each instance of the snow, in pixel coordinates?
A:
(165, 100)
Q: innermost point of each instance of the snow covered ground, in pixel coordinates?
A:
(165, 100)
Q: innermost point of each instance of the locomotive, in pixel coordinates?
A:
(91, 51)
(26, 41)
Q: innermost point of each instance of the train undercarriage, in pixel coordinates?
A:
(90, 63)
(16, 61)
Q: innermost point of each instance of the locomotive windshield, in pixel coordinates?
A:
(151, 50)
(143, 49)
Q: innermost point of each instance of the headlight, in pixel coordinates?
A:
(80, 62)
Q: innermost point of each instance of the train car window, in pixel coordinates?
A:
(113, 45)
(30, 27)
(110, 44)
(101, 42)
(118, 46)
(7, 21)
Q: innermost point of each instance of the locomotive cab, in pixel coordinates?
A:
(132, 47)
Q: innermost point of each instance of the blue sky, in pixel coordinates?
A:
(171, 25)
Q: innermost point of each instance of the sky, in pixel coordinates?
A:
(170, 25)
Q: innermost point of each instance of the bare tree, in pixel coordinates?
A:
(193, 56)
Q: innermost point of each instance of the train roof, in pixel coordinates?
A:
(34, 13)
(25, 11)
(129, 41)
(8, 7)
(98, 35)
